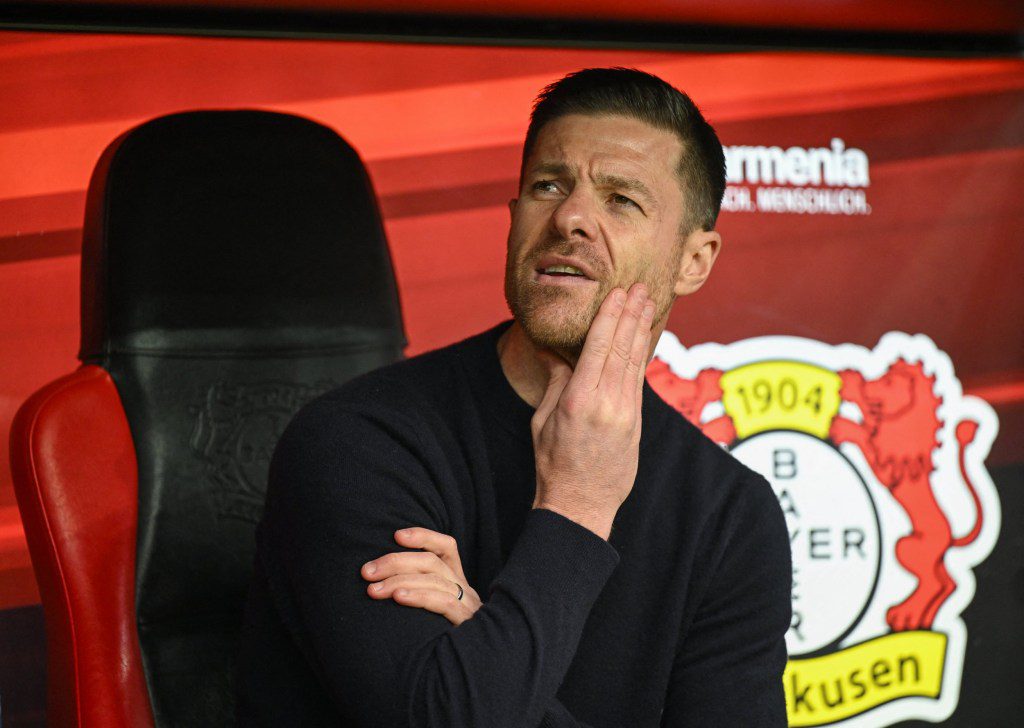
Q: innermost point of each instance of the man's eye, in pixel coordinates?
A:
(624, 201)
(545, 186)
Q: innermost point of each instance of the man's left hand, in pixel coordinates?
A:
(429, 579)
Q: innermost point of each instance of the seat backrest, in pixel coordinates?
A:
(234, 266)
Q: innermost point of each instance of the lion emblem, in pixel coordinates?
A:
(898, 436)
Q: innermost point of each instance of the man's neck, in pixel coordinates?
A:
(522, 367)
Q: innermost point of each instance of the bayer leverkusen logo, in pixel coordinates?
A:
(877, 459)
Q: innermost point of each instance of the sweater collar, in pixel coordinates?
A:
(511, 412)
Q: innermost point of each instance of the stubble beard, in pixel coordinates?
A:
(557, 318)
(552, 317)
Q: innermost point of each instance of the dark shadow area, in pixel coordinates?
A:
(23, 667)
(230, 21)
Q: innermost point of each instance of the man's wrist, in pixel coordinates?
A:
(597, 520)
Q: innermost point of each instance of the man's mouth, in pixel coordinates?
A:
(562, 270)
(562, 275)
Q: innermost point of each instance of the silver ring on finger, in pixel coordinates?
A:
(460, 592)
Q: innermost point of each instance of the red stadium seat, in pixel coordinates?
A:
(74, 466)
(234, 266)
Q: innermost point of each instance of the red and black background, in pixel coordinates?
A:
(439, 118)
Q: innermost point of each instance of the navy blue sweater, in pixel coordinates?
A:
(678, 620)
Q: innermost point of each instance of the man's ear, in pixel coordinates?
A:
(699, 253)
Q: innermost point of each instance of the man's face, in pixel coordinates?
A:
(600, 206)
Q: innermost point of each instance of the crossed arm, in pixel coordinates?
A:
(429, 579)
(726, 671)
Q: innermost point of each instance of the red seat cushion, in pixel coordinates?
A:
(75, 478)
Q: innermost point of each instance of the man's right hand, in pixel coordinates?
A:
(586, 431)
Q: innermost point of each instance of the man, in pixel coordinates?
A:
(515, 530)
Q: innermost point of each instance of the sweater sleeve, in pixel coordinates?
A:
(339, 488)
(728, 669)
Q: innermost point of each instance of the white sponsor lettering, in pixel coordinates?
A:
(833, 166)
(812, 201)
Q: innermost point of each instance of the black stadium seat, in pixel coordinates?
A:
(234, 266)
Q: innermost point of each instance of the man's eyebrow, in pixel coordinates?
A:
(627, 184)
(549, 168)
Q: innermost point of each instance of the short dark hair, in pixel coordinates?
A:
(643, 96)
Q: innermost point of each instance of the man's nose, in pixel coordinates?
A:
(576, 216)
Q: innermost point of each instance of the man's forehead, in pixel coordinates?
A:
(620, 145)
